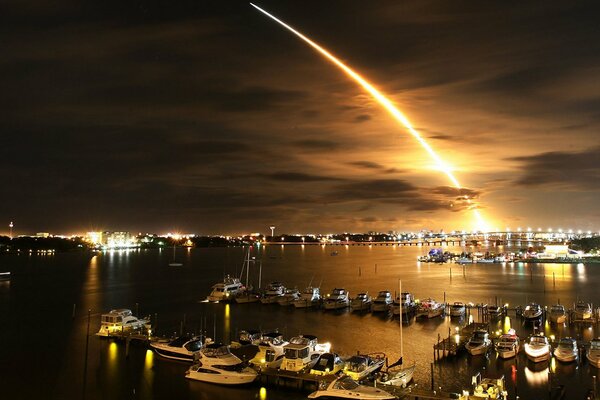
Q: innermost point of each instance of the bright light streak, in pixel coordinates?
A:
(387, 104)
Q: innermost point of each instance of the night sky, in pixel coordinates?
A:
(208, 117)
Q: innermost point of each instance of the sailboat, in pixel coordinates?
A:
(175, 263)
(248, 295)
(396, 374)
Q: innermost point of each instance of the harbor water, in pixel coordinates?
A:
(44, 310)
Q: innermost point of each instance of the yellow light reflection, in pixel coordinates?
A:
(149, 359)
(226, 323)
(112, 352)
(536, 378)
(262, 393)
(507, 324)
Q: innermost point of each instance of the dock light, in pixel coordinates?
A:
(552, 337)
(262, 360)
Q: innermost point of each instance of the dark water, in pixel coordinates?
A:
(43, 346)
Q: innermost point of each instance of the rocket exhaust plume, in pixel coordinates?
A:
(384, 102)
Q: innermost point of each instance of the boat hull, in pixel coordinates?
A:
(336, 305)
(565, 357)
(380, 307)
(246, 376)
(506, 354)
(538, 357)
(477, 350)
(594, 360)
(172, 355)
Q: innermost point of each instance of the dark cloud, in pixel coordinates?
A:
(298, 177)
(366, 164)
(362, 118)
(317, 145)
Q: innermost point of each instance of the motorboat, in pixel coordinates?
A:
(345, 387)
(361, 302)
(327, 364)
(457, 309)
(182, 348)
(508, 345)
(302, 352)
(397, 376)
(407, 300)
(383, 302)
(430, 308)
(337, 299)
(567, 350)
(226, 290)
(120, 321)
(270, 350)
(247, 296)
(537, 348)
(5, 276)
(288, 298)
(532, 311)
(593, 353)
(273, 292)
(216, 364)
(583, 311)
(361, 366)
(464, 260)
(494, 311)
(486, 388)
(311, 296)
(558, 314)
(246, 338)
(479, 343)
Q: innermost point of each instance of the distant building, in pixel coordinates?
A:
(42, 234)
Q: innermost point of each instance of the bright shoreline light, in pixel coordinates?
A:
(388, 105)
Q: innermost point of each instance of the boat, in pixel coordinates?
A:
(494, 311)
(226, 290)
(301, 353)
(246, 338)
(182, 348)
(175, 263)
(532, 311)
(383, 302)
(120, 321)
(361, 302)
(247, 294)
(583, 311)
(289, 297)
(345, 387)
(537, 348)
(273, 292)
(508, 345)
(327, 364)
(479, 343)
(337, 299)
(430, 308)
(558, 314)
(360, 367)
(464, 260)
(270, 350)
(397, 376)
(486, 388)
(407, 300)
(216, 364)
(567, 350)
(593, 353)
(457, 309)
(311, 296)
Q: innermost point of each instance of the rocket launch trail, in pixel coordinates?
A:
(383, 101)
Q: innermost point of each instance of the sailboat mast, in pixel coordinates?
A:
(401, 341)
(247, 267)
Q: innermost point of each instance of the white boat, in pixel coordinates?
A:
(216, 364)
(494, 311)
(430, 308)
(337, 299)
(5, 276)
(360, 367)
(247, 294)
(182, 348)
(593, 353)
(583, 311)
(532, 311)
(327, 364)
(397, 376)
(346, 388)
(457, 309)
(119, 321)
(226, 290)
(302, 352)
(270, 350)
(558, 314)
(464, 260)
(537, 348)
(408, 304)
(479, 343)
(273, 292)
(311, 296)
(361, 302)
(567, 350)
(249, 337)
(383, 302)
(289, 297)
(486, 388)
(508, 345)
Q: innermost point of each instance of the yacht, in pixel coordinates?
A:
(182, 348)
(566, 350)
(289, 297)
(337, 299)
(457, 309)
(361, 302)
(273, 293)
(532, 311)
(226, 290)
(302, 352)
(327, 364)
(508, 345)
(345, 387)
(311, 296)
(593, 353)
(408, 304)
(360, 367)
(397, 376)
(430, 308)
(494, 311)
(245, 338)
(479, 343)
(383, 302)
(558, 314)
(270, 350)
(119, 321)
(216, 364)
(247, 296)
(537, 348)
(583, 311)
